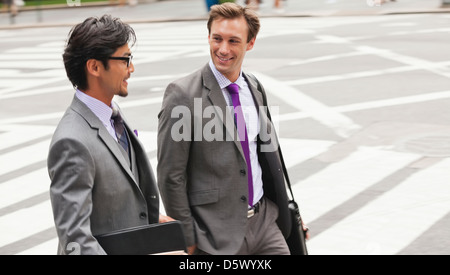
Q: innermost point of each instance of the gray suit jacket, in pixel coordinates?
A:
(203, 182)
(93, 189)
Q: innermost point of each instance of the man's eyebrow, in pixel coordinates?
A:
(127, 54)
(233, 37)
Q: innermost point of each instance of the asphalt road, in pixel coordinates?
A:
(361, 108)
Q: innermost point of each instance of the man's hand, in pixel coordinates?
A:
(306, 229)
(163, 219)
(191, 249)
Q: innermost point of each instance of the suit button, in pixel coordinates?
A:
(243, 173)
(243, 199)
(143, 215)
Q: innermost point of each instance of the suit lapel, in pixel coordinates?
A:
(103, 134)
(223, 111)
(134, 147)
(257, 95)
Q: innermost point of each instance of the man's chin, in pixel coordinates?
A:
(123, 93)
(223, 69)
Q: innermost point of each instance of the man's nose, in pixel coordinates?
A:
(131, 67)
(224, 49)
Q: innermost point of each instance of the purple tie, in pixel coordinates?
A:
(233, 89)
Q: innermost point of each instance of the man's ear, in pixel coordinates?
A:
(251, 44)
(93, 67)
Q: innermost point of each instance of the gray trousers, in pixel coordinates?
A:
(263, 237)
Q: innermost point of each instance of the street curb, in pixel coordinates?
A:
(66, 6)
(324, 13)
(60, 6)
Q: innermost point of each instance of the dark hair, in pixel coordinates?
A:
(95, 38)
(232, 11)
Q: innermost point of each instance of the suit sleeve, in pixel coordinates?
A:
(71, 170)
(174, 139)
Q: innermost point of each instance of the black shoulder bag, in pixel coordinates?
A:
(297, 239)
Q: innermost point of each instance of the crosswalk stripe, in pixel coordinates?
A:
(37, 50)
(23, 157)
(45, 248)
(402, 214)
(30, 57)
(336, 183)
(19, 134)
(36, 64)
(341, 124)
(15, 228)
(24, 187)
(299, 150)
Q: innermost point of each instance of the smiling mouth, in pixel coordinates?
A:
(224, 59)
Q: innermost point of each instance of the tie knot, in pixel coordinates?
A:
(233, 88)
(116, 115)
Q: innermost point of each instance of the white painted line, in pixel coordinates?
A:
(342, 180)
(342, 125)
(56, 115)
(30, 57)
(18, 134)
(32, 118)
(27, 84)
(393, 102)
(152, 50)
(148, 140)
(439, 68)
(69, 88)
(47, 248)
(187, 43)
(371, 105)
(141, 102)
(156, 77)
(24, 187)
(33, 92)
(331, 39)
(36, 50)
(25, 156)
(5, 73)
(326, 58)
(394, 220)
(36, 64)
(425, 31)
(347, 76)
(296, 151)
(25, 223)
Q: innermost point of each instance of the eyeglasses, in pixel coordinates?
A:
(129, 59)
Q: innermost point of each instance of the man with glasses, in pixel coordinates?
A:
(101, 178)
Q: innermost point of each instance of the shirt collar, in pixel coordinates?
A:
(222, 80)
(100, 109)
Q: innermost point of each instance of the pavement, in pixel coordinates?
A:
(382, 189)
(147, 11)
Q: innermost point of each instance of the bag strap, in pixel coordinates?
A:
(286, 175)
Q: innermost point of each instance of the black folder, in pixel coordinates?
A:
(160, 238)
